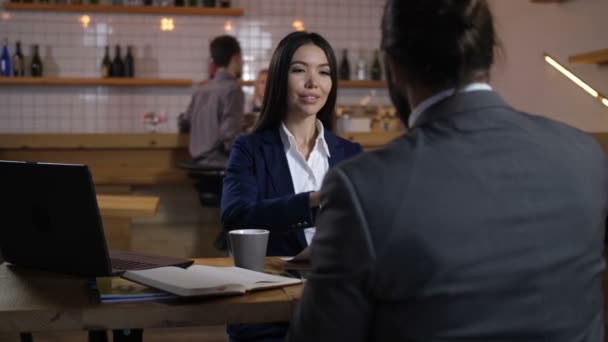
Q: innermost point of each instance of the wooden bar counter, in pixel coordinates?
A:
(126, 159)
(139, 159)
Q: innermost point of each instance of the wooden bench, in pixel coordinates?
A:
(117, 212)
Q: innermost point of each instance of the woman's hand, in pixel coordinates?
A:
(315, 199)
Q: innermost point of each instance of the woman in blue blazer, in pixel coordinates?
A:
(274, 174)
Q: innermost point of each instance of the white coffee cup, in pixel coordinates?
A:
(248, 248)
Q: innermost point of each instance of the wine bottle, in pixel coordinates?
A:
(18, 62)
(36, 68)
(5, 61)
(362, 66)
(376, 71)
(345, 66)
(225, 3)
(106, 64)
(178, 3)
(118, 67)
(209, 3)
(129, 63)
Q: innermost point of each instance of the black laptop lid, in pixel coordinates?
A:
(50, 219)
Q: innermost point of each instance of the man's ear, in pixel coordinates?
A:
(236, 59)
(394, 68)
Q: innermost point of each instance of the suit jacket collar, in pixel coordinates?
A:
(274, 154)
(460, 103)
(277, 167)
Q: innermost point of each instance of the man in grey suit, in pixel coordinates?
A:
(482, 223)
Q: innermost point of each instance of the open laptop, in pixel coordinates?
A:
(49, 220)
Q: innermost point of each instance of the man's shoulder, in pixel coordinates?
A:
(224, 85)
(396, 156)
(568, 136)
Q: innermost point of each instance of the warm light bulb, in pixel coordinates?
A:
(571, 76)
(298, 25)
(166, 24)
(605, 102)
(228, 26)
(85, 20)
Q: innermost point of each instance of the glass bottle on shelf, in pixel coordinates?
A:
(344, 73)
(118, 67)
(362, 66)
(209, 3)
(376, 70)
(129, 63)
(18, 61)
(148, 2)
(193, 3)
(225, 3)
(106, 64)
(178, 3)
(36, 68)
(5, 61)
(94, 2)
(117, 2)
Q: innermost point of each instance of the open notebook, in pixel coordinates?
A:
(200, 280)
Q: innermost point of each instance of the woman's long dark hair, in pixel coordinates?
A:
(274, 106)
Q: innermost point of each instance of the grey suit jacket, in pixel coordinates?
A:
(480, 224)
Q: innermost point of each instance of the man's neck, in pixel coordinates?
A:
(416, 94)
(226, 70)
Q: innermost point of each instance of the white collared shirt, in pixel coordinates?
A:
(306, 175)
(426, 104)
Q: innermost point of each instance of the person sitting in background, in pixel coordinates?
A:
(274, 174)
(215, 113)
(254, 105)
(482, 223)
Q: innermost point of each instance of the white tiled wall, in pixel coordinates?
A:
(70, 50)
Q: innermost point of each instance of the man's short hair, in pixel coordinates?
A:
(223, 48)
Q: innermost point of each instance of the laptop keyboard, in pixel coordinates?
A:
(123, 264)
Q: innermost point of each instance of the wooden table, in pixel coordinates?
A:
(35, 301)
(117, 212)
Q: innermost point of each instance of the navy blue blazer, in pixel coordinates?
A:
(258, 190)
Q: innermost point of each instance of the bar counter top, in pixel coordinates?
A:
(128, 159)
(140, 159)
(143, 141)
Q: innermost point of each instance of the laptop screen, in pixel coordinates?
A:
(50, 218)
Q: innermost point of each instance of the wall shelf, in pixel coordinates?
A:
(362, 84)
(233, 12)
(593, 57)
(142, 82)
(547, 1)
(114, 82)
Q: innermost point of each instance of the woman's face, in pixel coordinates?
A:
(309, 81)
